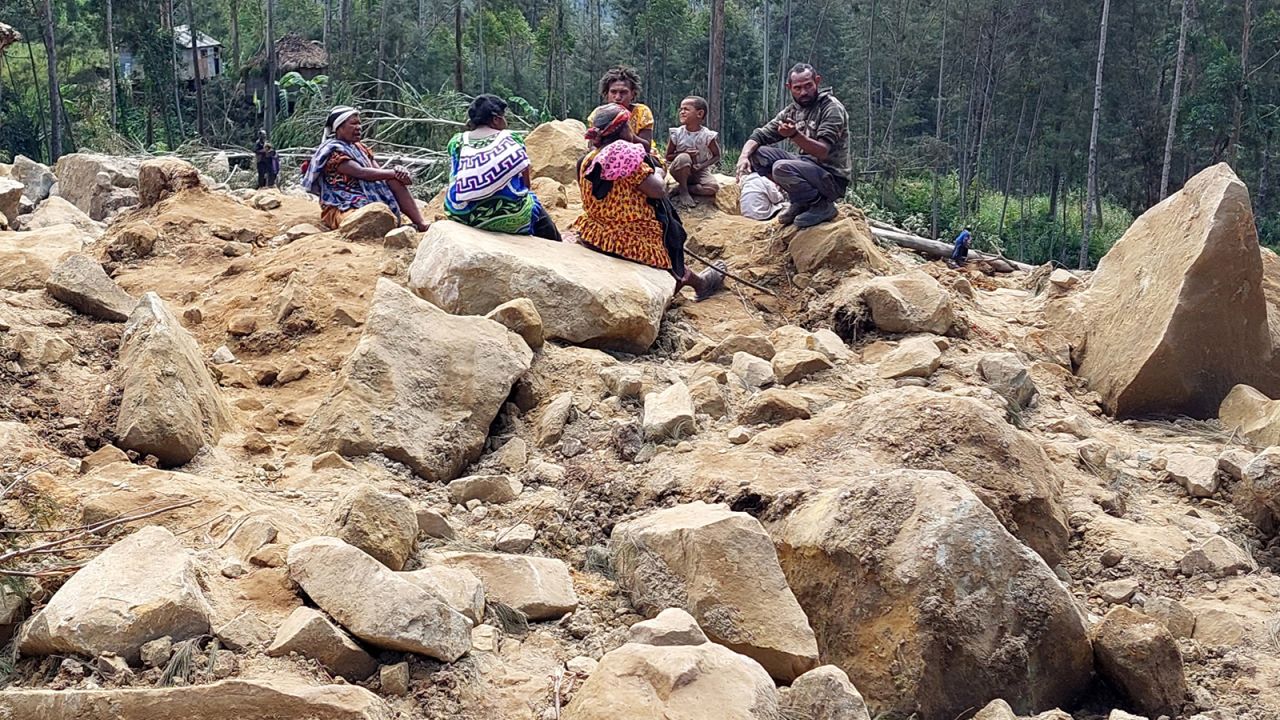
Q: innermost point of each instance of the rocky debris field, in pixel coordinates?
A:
(256, 469)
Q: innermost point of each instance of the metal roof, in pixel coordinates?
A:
(182, 38)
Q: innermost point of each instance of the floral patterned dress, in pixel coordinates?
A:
(623, 222)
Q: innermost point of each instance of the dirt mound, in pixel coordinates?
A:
(1029, 507)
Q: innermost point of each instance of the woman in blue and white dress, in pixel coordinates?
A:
(489, 176)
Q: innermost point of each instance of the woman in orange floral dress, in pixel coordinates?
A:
(626, 212)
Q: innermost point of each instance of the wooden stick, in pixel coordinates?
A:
(748, 283)
(90, 530)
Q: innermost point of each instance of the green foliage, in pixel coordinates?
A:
(1015, 87)
(1031, 233)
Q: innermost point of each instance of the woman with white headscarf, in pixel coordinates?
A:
(344, 175)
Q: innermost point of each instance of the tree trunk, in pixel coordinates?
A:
(871, 36)
(328, 20)
(55, 97)
(457, 49)
(1008, 177)
(715, 71)
(1238, 113)
(1092, 192)
(177, 82)
(939, 250)
(347, 41)
(270, 92)
(111, 64)
(785, 60)
(382, 43)
(35, 82)
(235, 31)
(1173, 105)
(937, 124)
(550, 76)
(197, 70)
(764, 64)
(1264, 179)
(484, 68)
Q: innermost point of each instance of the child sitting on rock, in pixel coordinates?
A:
(691, 153)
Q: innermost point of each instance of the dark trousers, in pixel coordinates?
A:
(266, 178)
(804, 181)
(544, 226)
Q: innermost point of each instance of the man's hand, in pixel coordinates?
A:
(787, 129)
(743, 167)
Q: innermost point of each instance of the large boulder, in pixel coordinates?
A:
(141, 588)
(1252, 414)
(910, 303)
(555, 148)
(1156, 335)
(89, 181)
(459, 588)
(80, 281)
(915, 588)
(158, 178)
(675, 682)
(57, 211)
(421, 386)
(584, 297)
(672, 626)
(843, 244)
(310, 634)
(1008, 375)
(824, 693)
(669, 414)
(1006, 467)
(36, 178)
(1138, 655)
(374, 603)
(914, 357)
(10, 196)
(539, 587)
(720, 566)
(1257, 495)
(277, 699)
(383, 524)
(170, 406)
(27, 258)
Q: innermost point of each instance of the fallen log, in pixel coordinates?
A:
(940, 250)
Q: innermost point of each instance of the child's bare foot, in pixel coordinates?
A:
(685, 200)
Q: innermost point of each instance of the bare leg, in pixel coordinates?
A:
(704, 189)
(704, 284)
(408, 205)
(681, 169)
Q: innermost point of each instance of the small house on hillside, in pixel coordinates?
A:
(209, 62)
(308, 58)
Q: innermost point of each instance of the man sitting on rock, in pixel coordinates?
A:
(817, 123)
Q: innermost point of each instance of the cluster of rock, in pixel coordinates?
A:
(910, 532)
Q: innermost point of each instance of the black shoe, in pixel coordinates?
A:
(788, 216)
(816, 215)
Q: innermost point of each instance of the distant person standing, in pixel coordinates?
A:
(817, 123)
(960, 252)
(266, 161)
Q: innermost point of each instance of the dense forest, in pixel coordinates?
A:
(987, 112)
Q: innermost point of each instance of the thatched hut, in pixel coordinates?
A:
(293, 54)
